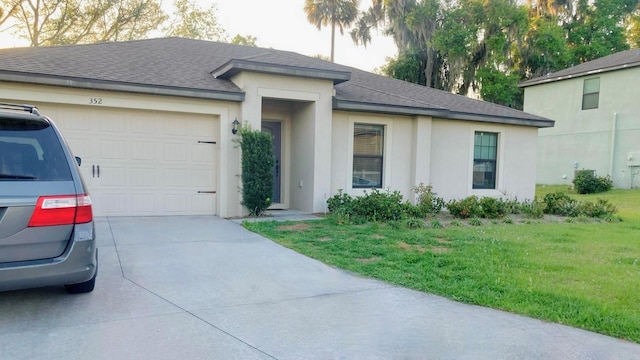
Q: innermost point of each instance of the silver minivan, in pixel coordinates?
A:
(47, 235)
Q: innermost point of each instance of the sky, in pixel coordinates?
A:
(283, 25)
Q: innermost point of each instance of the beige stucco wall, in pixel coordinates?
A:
(437, 152)
(310, 131)
(452, 159)
(597, 139)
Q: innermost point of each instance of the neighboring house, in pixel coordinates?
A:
(153, 119)
(596, 106)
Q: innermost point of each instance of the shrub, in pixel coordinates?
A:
(600, 209)
(436, 224)
(427, 202)
(533, 209)
(340, 201)
(474, 221)
(257, 170)
(492, 208)
(585, 182)
(379, 206)
(465, 208)
(559, 203)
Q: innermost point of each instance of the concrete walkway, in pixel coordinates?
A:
(205, 288)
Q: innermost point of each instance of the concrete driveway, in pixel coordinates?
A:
(205, 288)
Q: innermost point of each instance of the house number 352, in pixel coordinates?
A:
(95, 101)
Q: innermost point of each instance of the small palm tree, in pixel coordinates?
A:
(341, 13)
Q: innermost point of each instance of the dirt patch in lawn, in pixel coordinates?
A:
(368, 260)
(439, 249)
(408, 247)
(324, 239)
(294, 227)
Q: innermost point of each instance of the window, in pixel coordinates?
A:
(485, 152)
(591, 94)
(368, 143)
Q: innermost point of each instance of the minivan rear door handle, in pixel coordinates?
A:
(93, 171)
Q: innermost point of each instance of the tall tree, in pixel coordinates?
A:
(340, 13)
(191, 21)
(244, 40)
(56, 22)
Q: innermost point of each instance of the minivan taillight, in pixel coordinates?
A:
(62, 210)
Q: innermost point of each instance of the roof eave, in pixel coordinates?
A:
(546, 80)
(79, 83)
(348, 105)
(236, 66)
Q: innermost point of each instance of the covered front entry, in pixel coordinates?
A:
(139, 162)
(274, 128)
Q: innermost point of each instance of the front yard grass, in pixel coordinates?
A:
(585, 275)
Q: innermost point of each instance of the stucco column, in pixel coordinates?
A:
(421, 152)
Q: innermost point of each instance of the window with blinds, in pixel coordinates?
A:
(368, 149)
(591, 94)
(485, 153)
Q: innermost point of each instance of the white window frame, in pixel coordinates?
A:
(584, 84)
(500, 131)
(386, 151)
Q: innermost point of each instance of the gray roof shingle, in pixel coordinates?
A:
(617, 61)
(185, 66)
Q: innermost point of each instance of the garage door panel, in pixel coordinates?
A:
(151, 163)
(143, 150)
(144, 177)
(175, 177)
(175, 152)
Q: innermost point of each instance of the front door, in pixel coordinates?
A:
(274, 128)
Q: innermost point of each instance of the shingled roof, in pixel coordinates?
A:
(621, 60)
(201, 69)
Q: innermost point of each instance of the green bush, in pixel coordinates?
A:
(341, 201)
(492, 208)
(559, 203)
(474, 221)
(585, 182)
(465, 208)
(380, 206)
(257, 170)
(427, 201)
(600, 209)
(533, 209)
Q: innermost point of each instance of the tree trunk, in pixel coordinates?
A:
(333, 39)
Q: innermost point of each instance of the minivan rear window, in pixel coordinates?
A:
(31, 151)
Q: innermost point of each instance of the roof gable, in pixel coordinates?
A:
(197, 68)
(618, 61)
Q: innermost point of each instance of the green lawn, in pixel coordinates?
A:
(585, 275)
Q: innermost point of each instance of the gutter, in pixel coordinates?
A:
(347, 105)
(80, 83)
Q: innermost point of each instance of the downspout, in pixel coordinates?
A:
(614, 125)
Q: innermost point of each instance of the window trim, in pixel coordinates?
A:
(386, 152)
(503, 139)
(494, 186)
(586, 94)
(381, 157)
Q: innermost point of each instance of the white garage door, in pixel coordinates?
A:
(139, 163)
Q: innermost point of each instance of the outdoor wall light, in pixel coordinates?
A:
(235, 124)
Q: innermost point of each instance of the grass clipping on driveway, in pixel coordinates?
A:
(585, 275)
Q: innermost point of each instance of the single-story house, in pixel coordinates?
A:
(597, 112)
(153, 123)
